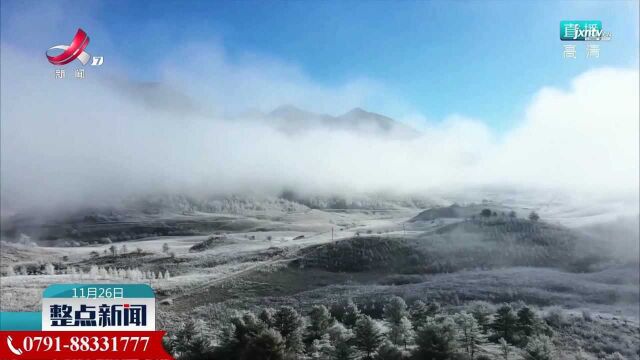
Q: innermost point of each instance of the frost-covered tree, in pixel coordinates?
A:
(338, 332)
(580, 355)
(267, 316)
(93, 272)
(396, 314)
(10, 271)
(395, 310)
(615, 356)
(470, 335)
(481, 311)
(290, 323)
(236, 337)
(504, 324)
(267, 344)
(341, 338)
(555, 317)
(167, 275)
(539, 347)
(188, 343)
(436, 340)
(344, 351)
(485, 213)
(505, 349)
(368, 335)
(533, 216)
(49, 269)
(402, 332)
(433, 308)
(388, 351)
(321, 348)
(165, 248)
(351, 314)
(527, 324)
(319, 322)
(249, 325)
(25, 240)
(419, 312)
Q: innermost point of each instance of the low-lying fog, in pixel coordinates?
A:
(76, 142)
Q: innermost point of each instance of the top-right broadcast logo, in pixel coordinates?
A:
(583, 30)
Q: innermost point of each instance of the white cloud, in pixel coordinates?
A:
(66, 143)
(583, 138)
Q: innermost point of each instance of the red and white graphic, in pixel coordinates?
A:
(73, 51)
(68, 345)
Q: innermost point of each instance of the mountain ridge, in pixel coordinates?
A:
(292, 119)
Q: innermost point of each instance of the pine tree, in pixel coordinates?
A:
(368, 335)
(470, 335)
(533, 216)
(481, 311)
(49, 269)
(321, 348)
(338, 332)
(539, 348)
(526, 325)
(340, 338)
(343, 351)
(267, 316)
(504, 324)
(93, 271)
(266, 345)
(351, 314)
(433, 308)
(395, 310)
(289, 323)
(505, 349)
(395, 313)
(388, 351)
(436, 340)
(401, 333)
(188, 343)
(250, 326)
(581, 355)
(319, 322)
(419, 313)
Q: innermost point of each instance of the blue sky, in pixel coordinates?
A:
(481, 59)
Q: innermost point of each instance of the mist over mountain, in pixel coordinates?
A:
(291, 120)
(177, 136)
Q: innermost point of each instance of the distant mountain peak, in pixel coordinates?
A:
(291, 119)
(358, 111)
